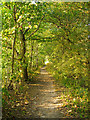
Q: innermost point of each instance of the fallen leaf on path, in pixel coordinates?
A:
(26, 102)
(17, 101)
(18, 104)
(70, 111)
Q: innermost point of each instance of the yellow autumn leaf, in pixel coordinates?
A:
(21, 74)
(35, 26)
(30, 26)
(84, 63)
(28, 19)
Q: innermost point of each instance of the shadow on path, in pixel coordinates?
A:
(41, 98)
(46, 102)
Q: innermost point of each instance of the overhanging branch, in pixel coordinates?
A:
(37, 27)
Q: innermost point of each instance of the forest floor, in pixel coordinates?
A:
(41, 98)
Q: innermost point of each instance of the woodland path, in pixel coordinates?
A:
(47, 105)
(40, 98)
(45, 101)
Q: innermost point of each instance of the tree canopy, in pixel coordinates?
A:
(55, 31)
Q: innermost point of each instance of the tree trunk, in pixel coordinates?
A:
(24, 61)
(37, 58)
(14, 39)
(10, 86)
(31, 54)
(23, 58)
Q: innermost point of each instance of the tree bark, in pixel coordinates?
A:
(14, 39)
(31, 54)
(10, 86)
(37, 57)
(25, 73)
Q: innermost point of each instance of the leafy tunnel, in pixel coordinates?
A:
(51, 34)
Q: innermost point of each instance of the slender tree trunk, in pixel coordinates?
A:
(37, 58)
(10, 86)
(31, 54)
(14, 39)
(25, 73)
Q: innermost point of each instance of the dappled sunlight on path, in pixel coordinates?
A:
(46, 99)
(41, 98)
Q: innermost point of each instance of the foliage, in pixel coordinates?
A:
(55, 31)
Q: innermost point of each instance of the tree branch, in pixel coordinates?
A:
(70, 41)
(26, 30)
(37, 27)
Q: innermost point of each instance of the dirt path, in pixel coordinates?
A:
(45, 100)
(41, 98)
